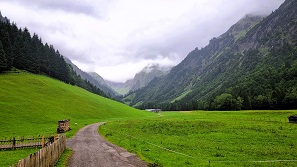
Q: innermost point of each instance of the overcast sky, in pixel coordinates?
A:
(117, 38)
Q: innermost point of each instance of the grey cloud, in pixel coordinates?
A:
(265, 7)
(63, 5)
(195, 29)
(198, 33)
(76, 56)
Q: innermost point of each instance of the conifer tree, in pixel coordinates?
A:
(3, 60)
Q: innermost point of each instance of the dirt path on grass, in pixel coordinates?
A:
(91, 150)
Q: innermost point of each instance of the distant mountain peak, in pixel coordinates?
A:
(155, 66)
(239, 29)
(141, 79)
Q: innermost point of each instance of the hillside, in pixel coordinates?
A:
(253, 64)
(32, 104)
(22, 50)
(93, 78)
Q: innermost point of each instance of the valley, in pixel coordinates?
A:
(224, 104)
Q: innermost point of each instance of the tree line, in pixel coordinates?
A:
(20, 50)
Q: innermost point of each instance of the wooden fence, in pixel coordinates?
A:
(22, 142)
(46, 157)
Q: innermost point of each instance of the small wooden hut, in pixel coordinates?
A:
(63, 126)
(154, 110)
(293, 119)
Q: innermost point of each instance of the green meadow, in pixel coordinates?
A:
(31, 105)
(202, 138)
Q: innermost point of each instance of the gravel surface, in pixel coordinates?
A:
(91, 150)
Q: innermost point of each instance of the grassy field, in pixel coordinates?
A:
(32, 105)
(204, 138)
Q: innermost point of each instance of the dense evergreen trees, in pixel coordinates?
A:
(227, 102)
(3, 59)
(20, 50)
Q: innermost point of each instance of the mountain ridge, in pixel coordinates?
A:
(191, 62)
(224, 63)
(93, 78)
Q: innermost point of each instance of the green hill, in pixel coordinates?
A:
(32, 105)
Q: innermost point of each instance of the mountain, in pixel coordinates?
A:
(119, 87)
(149, 73)
(251, 66)
(98, 78)
(93, 78)
(140, 79)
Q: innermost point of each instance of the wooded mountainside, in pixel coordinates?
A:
(94, 78)
(21, 51)
(251, 66)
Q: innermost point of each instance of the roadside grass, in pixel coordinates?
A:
(203, 138)
(32, 105)
(64, 158)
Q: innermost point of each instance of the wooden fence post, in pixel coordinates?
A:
(47, 156)
(13, 143)
(56, 137)
(42, 141)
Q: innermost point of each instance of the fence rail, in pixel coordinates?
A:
(47, 156)
(22, 142)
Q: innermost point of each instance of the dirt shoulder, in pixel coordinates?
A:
(91, 150)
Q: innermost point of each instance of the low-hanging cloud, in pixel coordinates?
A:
(117, 38)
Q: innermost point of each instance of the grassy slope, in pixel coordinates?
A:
(224, 138)
(32, 105)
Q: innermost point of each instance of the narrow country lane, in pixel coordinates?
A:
(91, 150)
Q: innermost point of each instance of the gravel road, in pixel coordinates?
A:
(91, 150)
